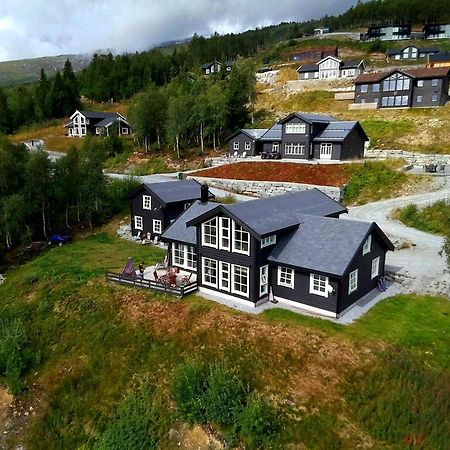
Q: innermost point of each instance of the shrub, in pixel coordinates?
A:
(225, 395)
(132, 429)
(259, 423)
(188, 389)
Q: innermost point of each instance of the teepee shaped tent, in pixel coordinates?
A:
(128, 270)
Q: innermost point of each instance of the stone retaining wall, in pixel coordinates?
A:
(412, 158)
(267, 188)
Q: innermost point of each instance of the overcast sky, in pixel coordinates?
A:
(32, 28)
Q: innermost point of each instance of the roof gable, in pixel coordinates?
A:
(338, 131)
(329, 57)
(309, 118)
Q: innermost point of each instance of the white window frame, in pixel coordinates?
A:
(419, 99)
(263, 280)
(326, 150)
(294, 149)
(226, 228)
(367, 247)
(147, 202)
(285, 277)
(186, 256)
(157, 226)
(353, 281)
(239, 229)
(247, 146)
(124, 130)
(419, 83)
(275, 147)
(235, 145)
(234, 273)
(375, 270)
(213, 237)
(212, 268)
(224, 276)
(295, 128)
(268, 240)
(318, 285)
(138, 223)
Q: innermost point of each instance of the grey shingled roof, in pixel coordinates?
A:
(308, 68)
(441, 56)
(106, 122)
(310, 117)
(175, 191)
(179, 231)
(273, 134)
(336, 131)
(321, 244)
(265, 216)
(350, 64)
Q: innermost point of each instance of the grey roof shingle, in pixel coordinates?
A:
(273, 134)
(336, 131)
(175, 191)
(179, 231)
(442, 56)
(310, 117)
(351, 64)
(308, 68)
(255, 133)
(321, 244)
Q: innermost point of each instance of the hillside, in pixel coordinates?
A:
(27, 70)
(370, 384)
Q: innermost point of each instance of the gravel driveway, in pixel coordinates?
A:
(421, 262)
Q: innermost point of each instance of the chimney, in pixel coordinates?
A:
(204, 193)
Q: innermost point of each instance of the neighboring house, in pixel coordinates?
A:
(436, 31)
(212, 67)
(403, 88)
(291, 247)
(410, 52)
(83, 123)
(331, 68)
(320, 31)
(389, 33)
(313, 54)
(442, 59)
(155, 205)
(246, 142)
(305, 136)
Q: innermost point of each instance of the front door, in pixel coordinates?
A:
(325, 151)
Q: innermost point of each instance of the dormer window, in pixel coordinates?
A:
(367, 245)
(295, 128)
(269, 240)
(146, 202)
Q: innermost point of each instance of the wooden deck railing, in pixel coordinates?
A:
(143, 283)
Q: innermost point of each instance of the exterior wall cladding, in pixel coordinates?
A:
(414, 93)
(242, 139)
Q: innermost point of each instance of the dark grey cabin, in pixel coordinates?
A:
(83, 123)
(436, 31)
(155, 205)
(388, 32)
(246, 142)
(410, 52)
(397, 88)
(293, 247)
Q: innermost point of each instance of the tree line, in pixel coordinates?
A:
(39, 196)
(47, 99)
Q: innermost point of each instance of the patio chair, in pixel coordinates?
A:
(186, 279)
(162, 264)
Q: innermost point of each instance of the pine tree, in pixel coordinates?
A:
(42, 94)
(71, 94)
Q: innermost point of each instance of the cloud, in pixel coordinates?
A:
(32, 28)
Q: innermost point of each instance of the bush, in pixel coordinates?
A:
(15, 353)
(135, 421)
(259, 423)
(225, 396)
(188, 389)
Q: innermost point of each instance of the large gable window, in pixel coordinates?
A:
(295, 128)
(397, 82)
(353, 281)
(146, 202)
(286, 277)
(241, 241)
(318, 284)
(209, 233)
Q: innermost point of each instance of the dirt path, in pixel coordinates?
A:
(422, 261)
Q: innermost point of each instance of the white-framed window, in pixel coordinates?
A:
(224, 276)
(364, 88)
(241, 240)
(367, 244)
(209, 272)
(375, 267)
(209, 233)
(224, 233)
(419, 83)
(318, 284)
(419, 99)
(268, 240)
(184, 256)
(275, 146)
(285, 277)
(146, 202)
(353, 281)
(263, 280)
(235, 145)
(434, 98)
(239, 282)
(248, 146)
(98, 130)
(326, 150)
(138, 223)
(294, 149)
(376, 87)
(434, 82)
(157, 226)
(295, 128)
(124, 130)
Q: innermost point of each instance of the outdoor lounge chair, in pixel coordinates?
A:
(162, 264)
(186, 279)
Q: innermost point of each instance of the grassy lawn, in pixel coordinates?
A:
(98, 342)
